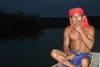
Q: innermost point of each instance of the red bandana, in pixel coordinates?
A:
(79, 11)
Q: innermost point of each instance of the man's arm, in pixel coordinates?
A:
(66, 44)
(66, 41)
(88, 39)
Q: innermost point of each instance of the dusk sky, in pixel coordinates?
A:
(51, 8)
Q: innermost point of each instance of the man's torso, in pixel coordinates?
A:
(76, 42)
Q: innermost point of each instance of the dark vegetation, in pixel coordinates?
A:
(21, 25)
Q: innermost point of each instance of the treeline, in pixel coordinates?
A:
(21, 20)
(62, 22)
(20, 24)
(94, 21)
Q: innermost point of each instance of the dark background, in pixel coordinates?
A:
(23, 22)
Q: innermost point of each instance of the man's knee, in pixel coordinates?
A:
(85, 61)
(54, 53)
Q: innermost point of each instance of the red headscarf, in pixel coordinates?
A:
(79, 11)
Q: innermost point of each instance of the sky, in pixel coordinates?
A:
(51, 8)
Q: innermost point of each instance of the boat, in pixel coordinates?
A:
(96, 60)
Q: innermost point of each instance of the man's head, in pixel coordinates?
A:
(76, 18)
(76, 14)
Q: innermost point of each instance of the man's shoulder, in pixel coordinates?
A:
(67, 28)
(90, 27)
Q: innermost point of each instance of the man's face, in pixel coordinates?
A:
(76, 18)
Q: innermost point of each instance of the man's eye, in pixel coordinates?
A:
(73, 16)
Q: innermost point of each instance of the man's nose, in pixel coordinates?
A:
(76, 18)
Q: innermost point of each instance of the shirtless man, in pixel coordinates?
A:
(80, 36)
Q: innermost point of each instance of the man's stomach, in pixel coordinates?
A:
(79, 47)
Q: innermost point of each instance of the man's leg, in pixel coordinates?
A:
(59, 56)
(85, 61)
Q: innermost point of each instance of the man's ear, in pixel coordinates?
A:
(83, 17)
(70, 18)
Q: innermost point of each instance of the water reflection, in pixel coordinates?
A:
(20, 34)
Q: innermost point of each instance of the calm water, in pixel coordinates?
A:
(35, 53)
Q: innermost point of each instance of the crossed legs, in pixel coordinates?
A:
(60, 55)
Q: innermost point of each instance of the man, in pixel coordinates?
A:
(80, 37)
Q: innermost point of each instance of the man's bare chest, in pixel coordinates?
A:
(74, 35)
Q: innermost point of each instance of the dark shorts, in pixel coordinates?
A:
(76, 61)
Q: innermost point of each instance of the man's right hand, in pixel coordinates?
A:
(71, 56)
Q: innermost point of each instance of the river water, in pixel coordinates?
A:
(35, 53)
